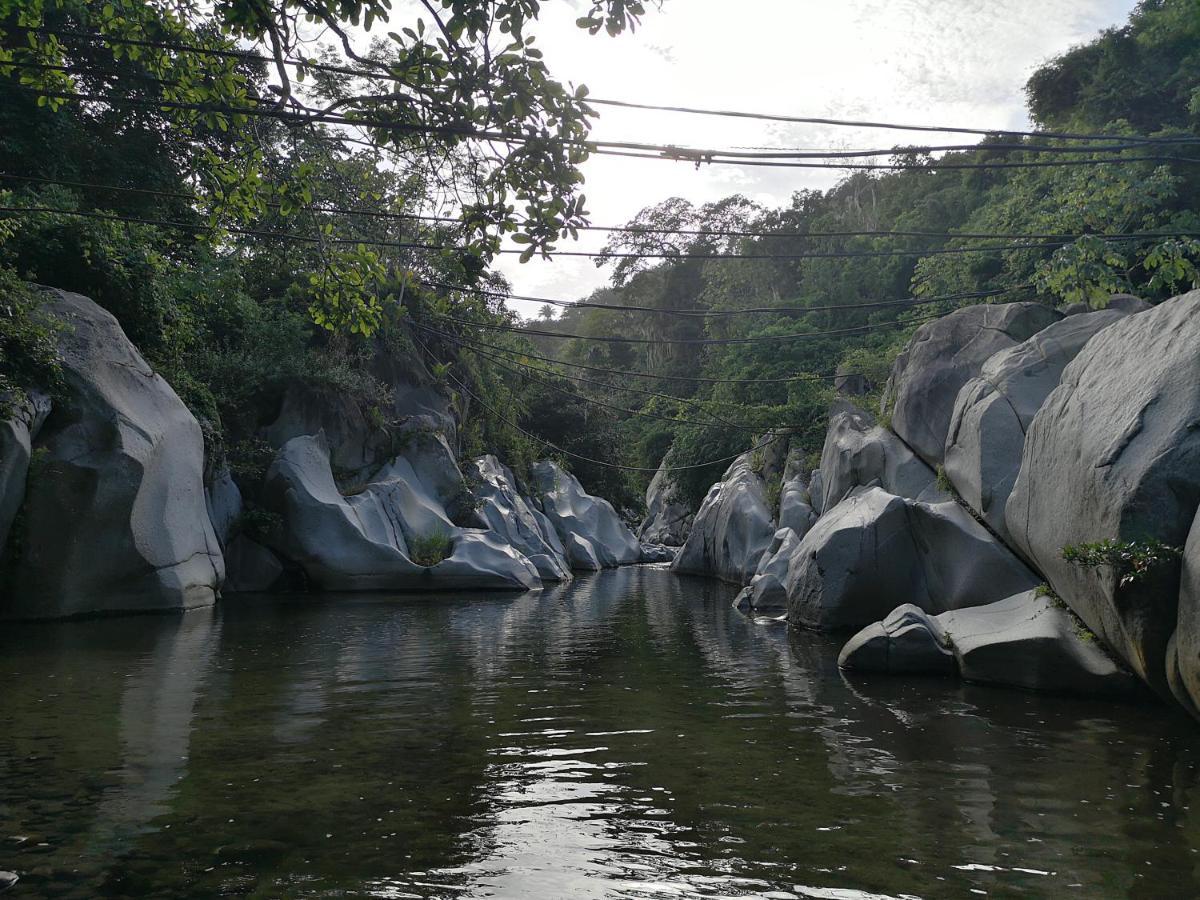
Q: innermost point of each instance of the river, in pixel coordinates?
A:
(629, 735)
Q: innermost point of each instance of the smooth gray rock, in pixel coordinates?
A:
(860, 453)
(875, 551)
(1023, 641)
(115, 519)
(668, 519)
(658, 553)
(1114, 453)
(767, 591)
(16, 443)
(816, 491)
(514, 518)
(1183, 656)
(908, 640)
(733, 528)
(994, 410)
(795, 507)
(1075, 309)
(590, 529)
(224, 503)
(361, 542)
(1127, 303)
(250, 567)
(1028, 641)
(942, 356)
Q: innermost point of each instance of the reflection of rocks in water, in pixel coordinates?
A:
(156, 713)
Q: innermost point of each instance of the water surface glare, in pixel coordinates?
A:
(628, 736)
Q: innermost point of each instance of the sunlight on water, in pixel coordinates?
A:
(629, 736)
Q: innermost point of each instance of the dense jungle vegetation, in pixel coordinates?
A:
(251, 253)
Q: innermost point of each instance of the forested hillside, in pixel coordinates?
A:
(1141, 79)
(243, 254)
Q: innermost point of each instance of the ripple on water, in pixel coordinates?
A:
(627, 736)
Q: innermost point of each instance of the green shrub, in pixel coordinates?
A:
(1130, 560)
(28, 351)
(430, 549)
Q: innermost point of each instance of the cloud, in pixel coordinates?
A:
(962, 62)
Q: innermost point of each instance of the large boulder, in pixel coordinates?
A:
(944, 355)
(875, 551)
(1027, 641)
(114, 518)
(767, 590)
(513, 517)
(224, 503)
(733, 528)
(367, 540)
(250, 567)
(860, 453)
(1183, 663)
(591, 532)
(668, 519)
(16, 444)
(1114, 454)
(995, 409)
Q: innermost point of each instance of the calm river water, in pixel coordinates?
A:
(628, 736)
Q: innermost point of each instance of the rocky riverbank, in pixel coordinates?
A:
(108, 505)
(1023, 512)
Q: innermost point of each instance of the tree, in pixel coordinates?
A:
(460, 95)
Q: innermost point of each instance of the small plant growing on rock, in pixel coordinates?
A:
(943, 481)
(1130, 560)
(430, 549)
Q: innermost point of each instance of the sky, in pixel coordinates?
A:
(959, 62)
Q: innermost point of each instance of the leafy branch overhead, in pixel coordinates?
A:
(458, 97)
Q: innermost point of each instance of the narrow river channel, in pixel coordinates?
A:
(629, 735)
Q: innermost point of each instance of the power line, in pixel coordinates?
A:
(628, 149)
(632, 229)
(624, 373)
(599, 462)
(479, 351)
(857, 123)
(710, 313)
(250, 56)
(438, 248)
(632, 412)
(607, 339)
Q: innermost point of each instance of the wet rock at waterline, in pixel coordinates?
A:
(767, 590)
(511, 516)
(668, 519)
(16, 444)
(1114, 453)
(908, 640)
(944, 355)
(591, 532)
(875, 551)
(1183, 654)
(368, 540)
(114, 517)
(995, 409)
(250, 567)
(733, 529)
(658, 553)
(1027, 641)
(860, 453)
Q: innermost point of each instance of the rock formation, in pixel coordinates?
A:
(113, 516)
(943, 356)
(591, 532)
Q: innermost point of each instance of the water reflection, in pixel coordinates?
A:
(627, 735)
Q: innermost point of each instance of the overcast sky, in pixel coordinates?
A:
(960, 62)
